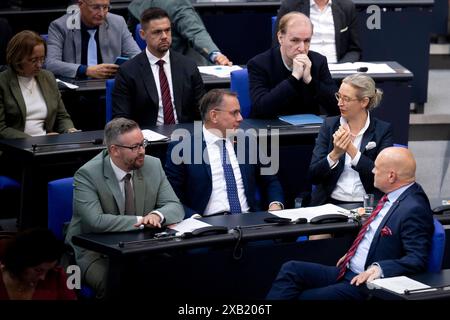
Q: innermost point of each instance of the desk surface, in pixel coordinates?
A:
(252, 226)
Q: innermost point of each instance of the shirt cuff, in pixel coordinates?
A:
(381, 269)
(355, 160)
(278, 203)
(81, 71)
(332, 163)
(213, 55)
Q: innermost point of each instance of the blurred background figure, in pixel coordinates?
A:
(29, 268)
(30, 102)
(188, 31)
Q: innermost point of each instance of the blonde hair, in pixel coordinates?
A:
(366, 88)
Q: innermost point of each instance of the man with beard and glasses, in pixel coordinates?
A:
(121, 189)
(158, 86)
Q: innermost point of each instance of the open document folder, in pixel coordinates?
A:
(353, 67)
(310, 212)
(218, 71)
(153, 136)
(400, 285)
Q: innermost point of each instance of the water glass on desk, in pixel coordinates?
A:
(369, 202)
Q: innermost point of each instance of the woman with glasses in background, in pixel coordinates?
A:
(30, 102)
(347, 145)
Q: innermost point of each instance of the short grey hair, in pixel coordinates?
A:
(116, 127)
(365, 87)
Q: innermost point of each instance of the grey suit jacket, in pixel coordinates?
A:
(98, 204)
(64, 43)
(348, 48)
(13, 110)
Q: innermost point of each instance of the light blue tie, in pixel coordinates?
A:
(233, 198)
(92, 49)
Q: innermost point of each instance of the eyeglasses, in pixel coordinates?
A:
(344, 98)
(234, 113)
(98, 7)
(136, 147)
(37, 60)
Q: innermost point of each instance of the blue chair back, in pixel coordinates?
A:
(60, 195)
(239, 84)
(8, 183)
(137, 37)
(274, 25)
(44, 36)
(109, 88)
(437, 249)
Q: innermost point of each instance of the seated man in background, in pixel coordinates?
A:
(159, 86)
(189, 33)
(223, 180)
(86, 43)
(121, 189)
(394, 240)
(335, 27)
(291, 79)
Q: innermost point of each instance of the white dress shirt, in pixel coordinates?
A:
(120, 175)
(358, 261)
(35, 106)
(349, 186)
(218, 200)
(323, 40)
(155, 70)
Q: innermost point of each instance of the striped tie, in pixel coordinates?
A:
(165, 95)
(351, 252)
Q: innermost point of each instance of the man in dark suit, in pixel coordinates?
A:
(159, 86)
(343, 20)
(291, 79)
(198, 175)
(395, 240)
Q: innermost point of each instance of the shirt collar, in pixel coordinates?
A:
(210, 137)
(312, 3)
(119, 173)
(153, 59)
(394, 195)
(366, 125)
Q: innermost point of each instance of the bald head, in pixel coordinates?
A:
(291, 18)
(394, 168)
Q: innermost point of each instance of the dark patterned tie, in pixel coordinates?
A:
(165, 95)
(351, 252)
(233, 198)
(129, 196)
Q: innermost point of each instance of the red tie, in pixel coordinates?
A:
(360, 236)
(165, 95)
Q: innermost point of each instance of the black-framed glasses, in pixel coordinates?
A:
(135, 147)
(344, 98)
(234, 113)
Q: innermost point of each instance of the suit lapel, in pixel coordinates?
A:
(17, 93)
(206, 164)
(139, 192)
(147, 77)
(367, 136)
(113, 184)
(338, 19)
(177, 84)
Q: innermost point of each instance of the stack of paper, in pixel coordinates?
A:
(399, 285)
(218, 71)
(189, 225)
(310, 212)
(153, 136)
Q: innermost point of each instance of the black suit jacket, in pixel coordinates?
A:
(274, 91)
(348, 48)
(135, 95)
(326, 178)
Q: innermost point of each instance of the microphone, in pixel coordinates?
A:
(360, 69)
(97, 141)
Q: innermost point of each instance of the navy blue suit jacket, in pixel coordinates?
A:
(411, 221)
(274, 91)
(326, 178)
(135, 95)
(193, 184)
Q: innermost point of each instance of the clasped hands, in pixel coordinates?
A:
(301, 68)
(343, 143)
